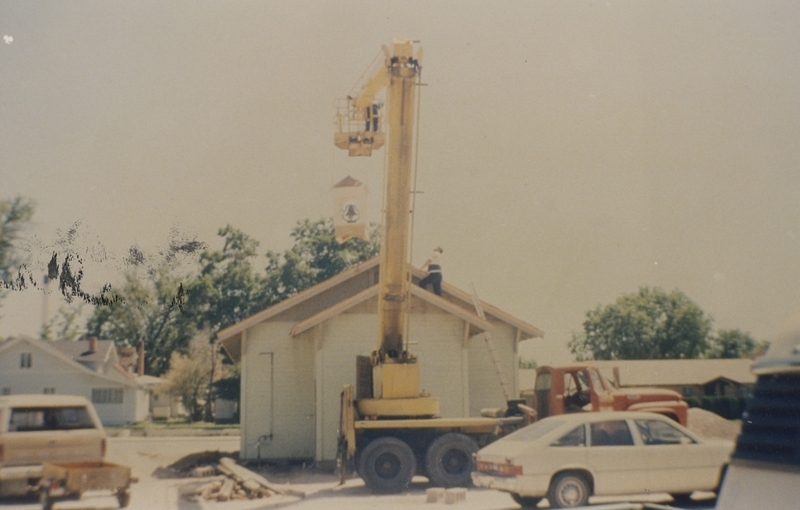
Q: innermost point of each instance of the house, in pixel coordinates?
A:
(689, 377)
(298, 354)
(89, 368)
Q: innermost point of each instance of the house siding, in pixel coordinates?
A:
(343, 338)
(484, 384)
(48, 371)
(437, 340)
(288, 416)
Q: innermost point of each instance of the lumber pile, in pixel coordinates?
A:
(234, 482)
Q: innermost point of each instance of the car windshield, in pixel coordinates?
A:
(534, 431)
(28, 419)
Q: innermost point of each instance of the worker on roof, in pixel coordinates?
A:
(434, 267)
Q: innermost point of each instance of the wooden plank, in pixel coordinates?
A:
(226, 490)
(244, 475)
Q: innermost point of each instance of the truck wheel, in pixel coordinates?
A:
(387, 465)
(448, 462)
(124, 498)
(568, 490)
(45, 500)
(682, 499)
(525, 501)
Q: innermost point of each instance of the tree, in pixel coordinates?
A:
(150, 310)
(189, 375)
(64, 326)
(315, 257)
(15, 214)
(648, 324)
(228, 287)
(734, 343)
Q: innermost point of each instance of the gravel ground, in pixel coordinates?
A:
(707, 424)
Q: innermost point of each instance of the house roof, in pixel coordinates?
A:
(680, 371)
(455, 302)
(47, 347)
(671, 372)
(527, 331)
(79, 350)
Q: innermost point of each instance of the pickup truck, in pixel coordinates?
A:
(582, 387)
(39, 429)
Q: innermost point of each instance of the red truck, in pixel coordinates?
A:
(582, 387)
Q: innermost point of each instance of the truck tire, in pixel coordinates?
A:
(387, 465)
(568, 490)
(525, 501)
(124, 497)
(45, 500)
(448, 461)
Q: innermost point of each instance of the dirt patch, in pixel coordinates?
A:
(707, 424)
(184, 465)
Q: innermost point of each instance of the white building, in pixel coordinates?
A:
(298, 354)
(89, 368)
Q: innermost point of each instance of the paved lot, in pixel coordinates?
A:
(146, 454)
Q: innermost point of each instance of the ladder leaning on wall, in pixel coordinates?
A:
(487, 336)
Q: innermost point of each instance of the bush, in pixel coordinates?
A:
(729, 407)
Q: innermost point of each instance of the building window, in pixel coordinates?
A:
(25, 360)
(49, 391)
(106, 395)
(6, 391)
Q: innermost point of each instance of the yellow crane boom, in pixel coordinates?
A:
(394, 369)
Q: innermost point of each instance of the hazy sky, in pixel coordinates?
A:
(569, 151)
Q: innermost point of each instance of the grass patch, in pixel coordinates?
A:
(174, 425)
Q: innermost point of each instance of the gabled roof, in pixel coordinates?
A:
(430, 297)
(455, 302)
(528, 331)
(80, 351)
(298, 298)
(46, 347)
(664, 372)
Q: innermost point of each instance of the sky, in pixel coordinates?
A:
(569, 152)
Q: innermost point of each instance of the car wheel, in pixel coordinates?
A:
(525, 501)
(387, 465)
(448, 461)
(722, 473)
(568, 490)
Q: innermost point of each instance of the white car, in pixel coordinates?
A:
(570, 457)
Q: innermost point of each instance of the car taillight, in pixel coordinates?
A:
(103, 448)
(499, 469)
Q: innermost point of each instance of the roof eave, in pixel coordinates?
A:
(284, 305)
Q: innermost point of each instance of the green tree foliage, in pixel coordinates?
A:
(15, 215)
(734, 343)
(648, 324)
(228, 287)
(64, 326)
(315, 257)
(150, 310)
(190, 378)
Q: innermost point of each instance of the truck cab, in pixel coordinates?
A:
(37, 429)
(582, 387)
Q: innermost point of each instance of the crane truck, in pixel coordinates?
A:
(389, 428)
